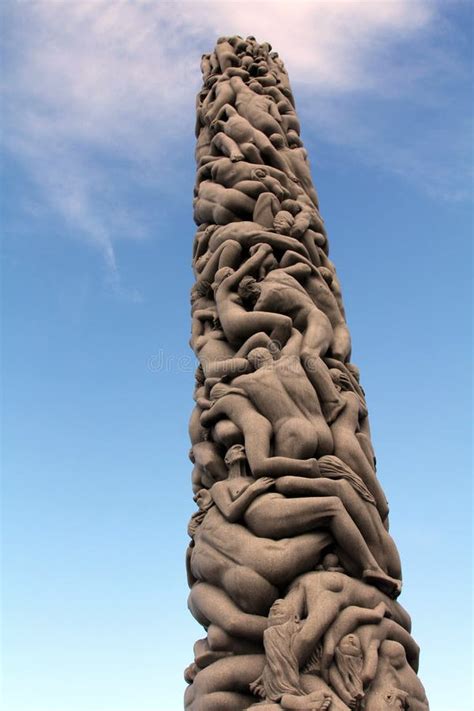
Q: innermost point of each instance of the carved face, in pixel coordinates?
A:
(350, 644)
(235, 454)
(203, 499)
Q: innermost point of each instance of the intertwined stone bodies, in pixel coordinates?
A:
(292, 570)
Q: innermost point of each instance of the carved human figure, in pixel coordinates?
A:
(209, 464)
(249, 234)
(196, 431)
(238, 323)
(324, 595)
(292, 571)
(206, 66)
(289, 119)
(224, 685)
(281, 293)
(215, 203)
(225, 54)
(346, 445)
(253, 143)
(396, 685)
(346, 674)
(218, 89)
(258, 109)
(297, 159)
(228, 254)
(371, 637)
(299, 428)
(233, 403)
(293, 220)
(272, 515)
(227, 625)
(317, 287)
(306, 217)
(250, 179)
(280, 678)
(249, 568)
(217, 357)
(204, 142)
(208, 339)
(329, 273)
(336, 479)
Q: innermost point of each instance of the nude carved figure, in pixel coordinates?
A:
(292, 571)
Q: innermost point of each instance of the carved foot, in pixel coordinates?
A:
(390, 586)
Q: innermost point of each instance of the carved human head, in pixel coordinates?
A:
(291, 206)
(203, 499)
(249, 289)
(277, 140)
(283, 221)
(256, 87)
(326, 274)
(280, 612)
(221, 274)
(259, 357)
(201, 262)
(209, 231)
(350, 644)
(294, 141)
(330, 560)
(235, 453)
(235, 39)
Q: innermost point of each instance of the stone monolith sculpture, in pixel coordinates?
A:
(293, 573)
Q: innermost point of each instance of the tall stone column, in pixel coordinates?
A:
(293, 573)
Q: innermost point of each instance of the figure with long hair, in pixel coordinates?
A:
(280, 678)
(346, 445)
(272, 515)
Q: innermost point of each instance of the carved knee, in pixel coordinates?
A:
(217, 638)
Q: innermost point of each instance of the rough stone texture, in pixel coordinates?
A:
(293, 572)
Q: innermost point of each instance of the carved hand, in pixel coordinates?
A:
(262, 484)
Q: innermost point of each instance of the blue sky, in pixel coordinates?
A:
(98, 114)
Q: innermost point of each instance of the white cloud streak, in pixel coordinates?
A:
(91, 83)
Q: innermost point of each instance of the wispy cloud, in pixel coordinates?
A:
(96, 88)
